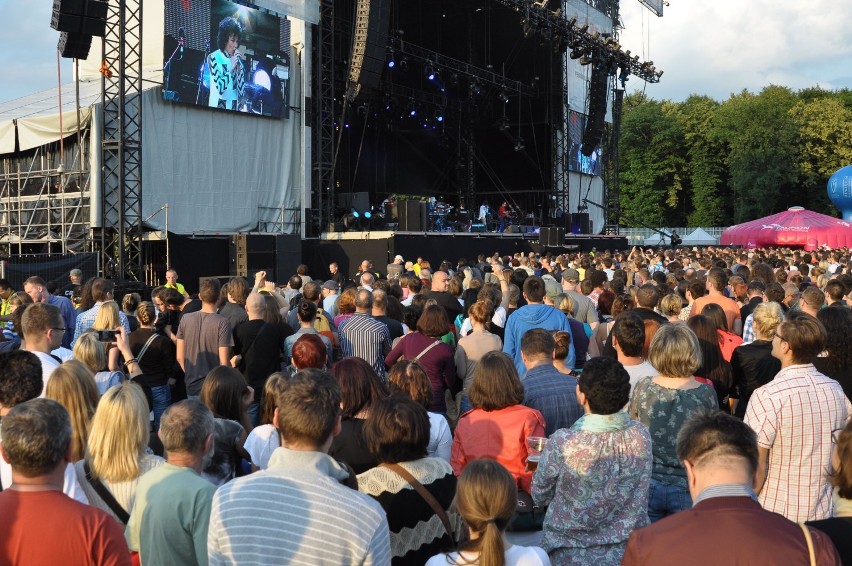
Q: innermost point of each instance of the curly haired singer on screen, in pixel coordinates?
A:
(227, 73)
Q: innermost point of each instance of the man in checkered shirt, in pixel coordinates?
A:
(794, 416)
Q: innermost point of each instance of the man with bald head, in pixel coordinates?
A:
(258, 348)
(363, 336)
(440, 292)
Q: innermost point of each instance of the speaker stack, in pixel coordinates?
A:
(78, 20)
(552, 236)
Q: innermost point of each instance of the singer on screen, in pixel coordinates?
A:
(227, 73)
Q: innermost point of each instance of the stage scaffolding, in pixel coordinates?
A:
(43, 210)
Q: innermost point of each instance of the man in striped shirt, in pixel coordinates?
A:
(363, 336)
(794, 416)
(297, 511)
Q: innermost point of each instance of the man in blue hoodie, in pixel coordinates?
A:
(534, 314)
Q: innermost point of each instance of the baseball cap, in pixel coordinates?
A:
(331, 285)
(552, 288)
(571, 275)
(399, 258)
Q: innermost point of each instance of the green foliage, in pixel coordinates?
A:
(702, 162)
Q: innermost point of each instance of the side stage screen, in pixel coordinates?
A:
(576, 161)
(226, 55)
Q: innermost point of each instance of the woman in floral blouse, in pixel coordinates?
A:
(663, 403)
(594, 476)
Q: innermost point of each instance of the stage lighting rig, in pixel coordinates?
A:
(566, 32)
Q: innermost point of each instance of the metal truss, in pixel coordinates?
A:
(564, 33)
(323, 186)
(448, 64)
(121, 139)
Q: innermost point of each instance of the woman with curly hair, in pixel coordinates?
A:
(836, 361)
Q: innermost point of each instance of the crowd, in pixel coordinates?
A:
(638, 407)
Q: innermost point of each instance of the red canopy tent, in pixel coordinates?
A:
(795, 228)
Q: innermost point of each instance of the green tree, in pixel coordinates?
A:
(652, 163)
(761, 141)
(825, 134)
(706, 172)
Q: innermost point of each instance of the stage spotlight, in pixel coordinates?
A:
(502, 123)
(585, 60)
(430, 71)
(475, 88)
(439, 115)
(355, 213)
(576, 54)
(391, 58)
(412, 110)
(368, 214)
(572, 22)
(659, 74)
(585, 28)
(519, 144)
(504, 98)
(261, 78)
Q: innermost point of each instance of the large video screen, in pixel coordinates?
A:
(229, 56)
(577, 162)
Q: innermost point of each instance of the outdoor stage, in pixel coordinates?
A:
(348, 249)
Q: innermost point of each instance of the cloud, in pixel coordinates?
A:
(721, 47)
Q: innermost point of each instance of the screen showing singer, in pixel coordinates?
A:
(227, 73)
(227, 55)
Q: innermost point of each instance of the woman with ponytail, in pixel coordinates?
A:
(486, 496)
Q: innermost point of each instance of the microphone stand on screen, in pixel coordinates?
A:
(167, 70)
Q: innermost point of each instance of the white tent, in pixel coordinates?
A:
(656, 240)
(700, 237)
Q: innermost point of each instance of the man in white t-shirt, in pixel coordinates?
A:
(628, 339)
(43, 330)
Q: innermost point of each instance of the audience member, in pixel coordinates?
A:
(663, 403)
(836, 360)
(839, 526)
(40, 524)
(594, 476)
(628, 340)
(301, 492)
(263, 439)
(360, 388)
(228, 396)
(409, 486)
(168, 524)
(116, 454)
(204, 339)
(409, 379)
(363, 336)
(155, 354)
(36, 288)
(791, 466)
(486, 496)
(74, 388)
(719, 454)
(752, 364)
(545, 389)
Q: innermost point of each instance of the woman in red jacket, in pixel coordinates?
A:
(498, 425)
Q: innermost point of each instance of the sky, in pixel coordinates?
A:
(720, 47)
(712, 47)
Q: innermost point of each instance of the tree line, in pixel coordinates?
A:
(702, 162)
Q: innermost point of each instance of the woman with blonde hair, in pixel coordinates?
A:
(579, 337)
(670, 307)
(72, 386)
(92, 352)
(663, 403)
(117, 451)
(486, 496)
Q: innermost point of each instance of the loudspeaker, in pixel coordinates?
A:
(513, 229)
(336, 227)
(477, 227)
(287, 255)
(552, 236)
(411, 216)
(238, 255)
(86, 17)
(359, 201)
(74, 45)
(369, 42)
(580, 223)
(597, 111)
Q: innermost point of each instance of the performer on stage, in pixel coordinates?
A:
(503, 214)
(227, 73)
(484, 211)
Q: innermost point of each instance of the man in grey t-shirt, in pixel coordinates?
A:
(204, 339)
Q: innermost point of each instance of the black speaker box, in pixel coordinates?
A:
(552, 236)
(580, 223)
(74, 45)
(411, 213)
